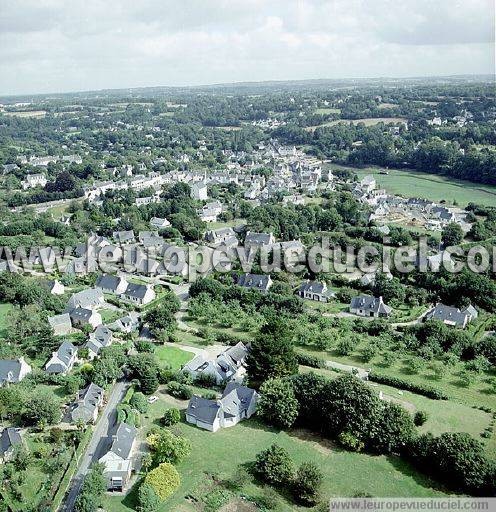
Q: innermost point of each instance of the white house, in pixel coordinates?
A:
(63, 359)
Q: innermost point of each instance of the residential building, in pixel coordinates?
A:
(366, 305)
(88, 401)
(10, 438)
(237, 403)
(221, 236)
(451, 316)
(13, 371)
(63, 359)
(100, 338)
(61, 324)
(33, 181)
(159, 223)
(140, 294)
(313, 290)
(259, 239)
(199, 191)
(255, 282)
(111, 284)
(81, 317)
(91, 298)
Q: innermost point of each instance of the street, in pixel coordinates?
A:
(97, 445)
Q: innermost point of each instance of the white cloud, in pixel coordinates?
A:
(54, 45)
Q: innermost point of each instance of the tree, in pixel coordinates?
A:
(144, 367)
(452, 234)
(278, 405)
(42, 408)
(394, 429)
(420, 418)
(275, 466)
(164, 480)
(148, 500)
(92, 490)
(171, 417)
(139, 402)
(168, 447)
(272, 353)
(307, 483)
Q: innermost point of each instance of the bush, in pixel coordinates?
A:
(420, 418)
(307, 484)
(139, 402)
(148, 500)
(396, 382)
(275, 466)
(171, 417)
(178, 390)
(164, 480)
(309, 360)
(278, 405)
(350, 442)
(205, 380)
(167, 447)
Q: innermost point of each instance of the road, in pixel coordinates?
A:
(98, 444)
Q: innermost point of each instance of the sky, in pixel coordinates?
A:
(74, 45)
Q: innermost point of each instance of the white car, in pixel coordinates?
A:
(152, 399)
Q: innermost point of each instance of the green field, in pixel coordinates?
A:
(430, 186)
(220, 453)
(173, 356)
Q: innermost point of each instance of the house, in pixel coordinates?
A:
(61, 324)
(13, 371)
(159, 223)
(314, 290)
(237, 403)
(259, 239)
(227, 366)
(9, 439)
(91, 298)
(100, 338)
(366, 305)
(452, 316)
(111, 284)
(83, 316)
(368, 183)
(33, 181)
(255, 282)
(199, 191)
(55, 287)
(88, 401)
(140, 294)
(221, 236)
(118, 459)
(124, 237)
(127, 324)
(63, 359)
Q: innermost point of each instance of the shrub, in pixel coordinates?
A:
(139, 402)
(148, 500)
(420, 418)
(307, 483)
(178, 390)
(167, 447)
(350, 442)
(171, 417)
(309, 360)
(278, 405)
(345, 346)
(396, 382)
(275, 466)
(164, 480)
(205, 380)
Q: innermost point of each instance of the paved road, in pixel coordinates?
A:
(97, 445)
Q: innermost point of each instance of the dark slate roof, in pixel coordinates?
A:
(7, 366)
(237, 353)
(87, 402)
(66, 351)
(80, 314)
(9, 437)
(447, 314)
(123, 440)
(258, 238)
(202, 409)
(370, 303)
(236, 398)
(254, 281)
(123, 236)
(136, 290)
(313, 287)
(108, 282)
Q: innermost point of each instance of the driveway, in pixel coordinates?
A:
(98, 444)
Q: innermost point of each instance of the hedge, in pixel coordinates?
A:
(396, 382)
(309, 360)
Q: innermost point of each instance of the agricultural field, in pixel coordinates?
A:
(371, 121)
(430, 186)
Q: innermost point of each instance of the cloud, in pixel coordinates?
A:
(54, 45)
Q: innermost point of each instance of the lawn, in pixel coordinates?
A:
(430, 186)
(173, 356)
(4, 309)
(219, 454)
(371, 121)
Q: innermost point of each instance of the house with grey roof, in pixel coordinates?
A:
(61, 324)
(237, 403)
(159, 223)
(13, 370)
(368, 306)
(140, 294)
(100, 338)
(313, 290)
(88, 402)
(452, 316)
(91, 298)
(225, 236)
(118, 460)
(256, 240)
(124, 237)
(111, 284)
(10, 438)
(128, 323)
(258, 282)
(55, 287)
(81, 317)
(63, 359)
